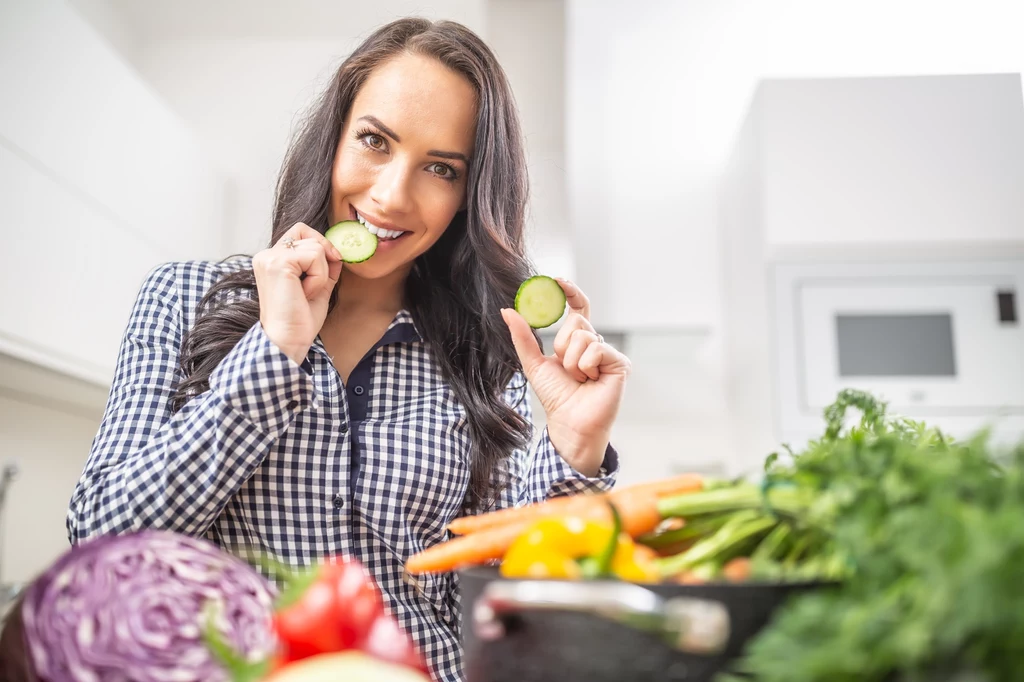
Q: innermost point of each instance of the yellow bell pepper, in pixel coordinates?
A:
(554, 547)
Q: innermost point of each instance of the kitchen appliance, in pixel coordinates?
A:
(608, 631)
(942, 342)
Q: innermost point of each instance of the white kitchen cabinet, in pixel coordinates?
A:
(70, 277)
(100, 182)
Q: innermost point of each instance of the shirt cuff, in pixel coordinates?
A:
(260, 382)
(552, 476)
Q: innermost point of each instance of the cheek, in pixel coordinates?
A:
(350, 175)
(438, 218)
(442, 206)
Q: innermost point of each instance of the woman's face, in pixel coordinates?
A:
(402, 163)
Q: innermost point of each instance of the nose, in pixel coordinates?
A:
(392, 191)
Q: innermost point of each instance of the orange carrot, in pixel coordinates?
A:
(637, 507)
(466, 525)
(470, 550)
(575, 504)
(737, 570)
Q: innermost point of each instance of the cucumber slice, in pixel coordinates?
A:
(353, 241)
(541, 301)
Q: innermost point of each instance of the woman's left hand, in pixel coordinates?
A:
(580, 386)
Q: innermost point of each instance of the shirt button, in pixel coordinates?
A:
(339, 501)
(343, 428)
(292, 404)
(359, 390)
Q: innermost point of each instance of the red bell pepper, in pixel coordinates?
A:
(332, 608)
(338, 607)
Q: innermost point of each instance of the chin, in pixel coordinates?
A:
(377, 269)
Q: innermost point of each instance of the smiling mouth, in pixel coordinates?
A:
(380, 232)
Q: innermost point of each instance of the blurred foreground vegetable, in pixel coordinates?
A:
(931, 533)
(131, 608)
(489, 536)
(332, 607)
(347, 666)
(571, 547)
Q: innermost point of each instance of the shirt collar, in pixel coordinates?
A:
(401, 330)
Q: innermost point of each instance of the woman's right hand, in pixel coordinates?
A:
(292, 307)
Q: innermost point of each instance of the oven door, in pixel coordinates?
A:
(928, 347)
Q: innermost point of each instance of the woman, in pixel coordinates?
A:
(302, 408)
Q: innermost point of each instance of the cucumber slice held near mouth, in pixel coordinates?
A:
(541, 301)
(355, 243)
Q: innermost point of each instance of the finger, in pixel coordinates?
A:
(575, 297)
(527, 348)
(600, 359)
(573, 323)
(578, 344)
(334, 270)
(302, 231)
(312, 259)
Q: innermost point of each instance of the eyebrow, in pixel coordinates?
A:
(449, 155)
(394, 136)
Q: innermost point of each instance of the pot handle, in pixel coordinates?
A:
(696, 626)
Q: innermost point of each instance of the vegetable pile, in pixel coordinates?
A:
(569, 547)
(156, 606)
(131, 607)
(488, 537)
(916, 539)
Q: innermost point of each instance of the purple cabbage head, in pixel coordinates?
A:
(135, 607)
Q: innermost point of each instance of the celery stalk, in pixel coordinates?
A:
(743, 527)
(783, 500)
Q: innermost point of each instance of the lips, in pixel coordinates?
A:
(380, 232)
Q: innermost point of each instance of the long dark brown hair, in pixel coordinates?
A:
(456, 289)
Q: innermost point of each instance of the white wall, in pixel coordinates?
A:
(242, 97)
(657, 89)
(32, 534)
(528, 37)
(915, 160)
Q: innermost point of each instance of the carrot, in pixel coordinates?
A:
(737, 570)
(637, 508)
(469, 550)
(574, 505)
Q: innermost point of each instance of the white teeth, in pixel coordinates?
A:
(380, 232)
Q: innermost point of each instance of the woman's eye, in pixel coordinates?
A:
(442, 170)
(374, 141)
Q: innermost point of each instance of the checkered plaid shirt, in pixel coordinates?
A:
(289, 461)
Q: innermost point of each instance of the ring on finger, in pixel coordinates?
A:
(289, 242)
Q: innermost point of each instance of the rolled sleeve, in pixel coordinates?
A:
(261, 383)
(551, 476)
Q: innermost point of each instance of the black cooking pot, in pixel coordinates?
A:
(606, 631)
